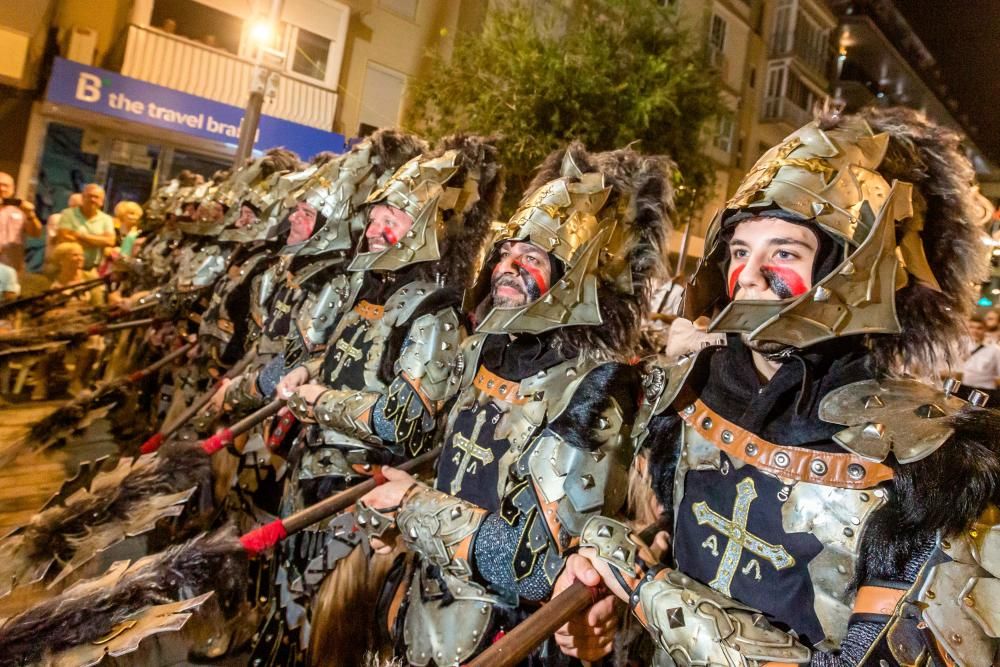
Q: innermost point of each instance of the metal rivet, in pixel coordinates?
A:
(864, 497)
(818, 467)
(751, 449)
(856, 471)
(706, 423)
(849, 532)
(781, 459)
(727, 437)
(689, 410)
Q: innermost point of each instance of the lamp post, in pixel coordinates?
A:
(264, 82)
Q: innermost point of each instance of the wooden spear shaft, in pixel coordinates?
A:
(157, 439)
(266, 536)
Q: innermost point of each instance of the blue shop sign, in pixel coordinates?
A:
(112, 94)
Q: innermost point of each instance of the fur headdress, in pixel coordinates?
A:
(452, 194)
(895, 195)
(603, 218)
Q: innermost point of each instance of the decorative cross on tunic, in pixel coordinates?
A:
(473, 453)
(348, 353)
(739, 537)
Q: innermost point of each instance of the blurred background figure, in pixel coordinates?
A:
(67, 264)
(88, 225)
(977, 363)
(17, 220)
(991, 320)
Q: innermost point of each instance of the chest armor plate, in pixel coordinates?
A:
(786, 547)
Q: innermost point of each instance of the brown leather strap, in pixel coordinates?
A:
(877, 600)
(369, 311)
(844, 471)
(499, 388)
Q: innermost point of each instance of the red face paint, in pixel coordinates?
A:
(390, 236)
(783, 281)
(734, 277)
(535, 273)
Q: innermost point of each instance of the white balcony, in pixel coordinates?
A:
(181, 64)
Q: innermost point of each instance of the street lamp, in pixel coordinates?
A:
(264, 81)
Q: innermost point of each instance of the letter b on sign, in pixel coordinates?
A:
(88, 88)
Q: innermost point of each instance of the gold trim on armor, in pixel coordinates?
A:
(843, 471)
(498, 387)
(369, 311)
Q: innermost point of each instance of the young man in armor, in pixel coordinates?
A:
(537, 439)
(825, 510)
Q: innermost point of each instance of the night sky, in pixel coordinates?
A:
(964, 37)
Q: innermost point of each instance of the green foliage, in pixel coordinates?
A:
(605, 72)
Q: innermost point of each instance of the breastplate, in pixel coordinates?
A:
(776, 528)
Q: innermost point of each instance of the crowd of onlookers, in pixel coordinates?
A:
(81, 228)
(977, 359)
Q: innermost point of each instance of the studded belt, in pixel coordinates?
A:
(499, 388)
(844, 471)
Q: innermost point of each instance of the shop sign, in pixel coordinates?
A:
(112, 94)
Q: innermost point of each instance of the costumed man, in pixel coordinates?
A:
(295, 298)
(825, 510)
(376, 394)
(538, 438)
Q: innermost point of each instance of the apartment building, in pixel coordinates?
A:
(131, 92)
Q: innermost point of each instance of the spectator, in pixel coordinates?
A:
(127, 215)
(992, 322)
(68, 258)
(17, 220)
(9, 287)
(52, 224)
(980, 362)
(88, 225)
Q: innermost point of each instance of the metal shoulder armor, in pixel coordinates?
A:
(431, 359)
(571, 469)
(905, 417)
(952, 612)
(661, 384)
(317, 315)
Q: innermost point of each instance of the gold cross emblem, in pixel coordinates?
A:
(764, 172)
(739, 537)
(472, 453)
(348, 353)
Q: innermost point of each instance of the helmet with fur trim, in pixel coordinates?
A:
(257, 187)
(602, 219)
(337, 188)
(452, 194)
(895, 193)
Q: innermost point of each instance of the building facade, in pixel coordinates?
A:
(128, 93)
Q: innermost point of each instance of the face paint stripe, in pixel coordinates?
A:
(390, 236)
(734, 278)
(784, 282)
(535, 274)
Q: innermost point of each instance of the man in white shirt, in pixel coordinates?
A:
(980, 367)
(992, 321)
(9, 287)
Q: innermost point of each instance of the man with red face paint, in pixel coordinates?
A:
(824, 509)
(375, 392)
(537, 438)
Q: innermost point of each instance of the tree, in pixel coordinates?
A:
(605, 72)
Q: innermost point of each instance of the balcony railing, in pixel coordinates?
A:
(178, 63)
(797, 44)
(783, 109)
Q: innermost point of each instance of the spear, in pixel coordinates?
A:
(225, 436)
(157, 439)
(518, 644)
(101, 329)
(69, 415)
(72, 287)
(94, 609)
